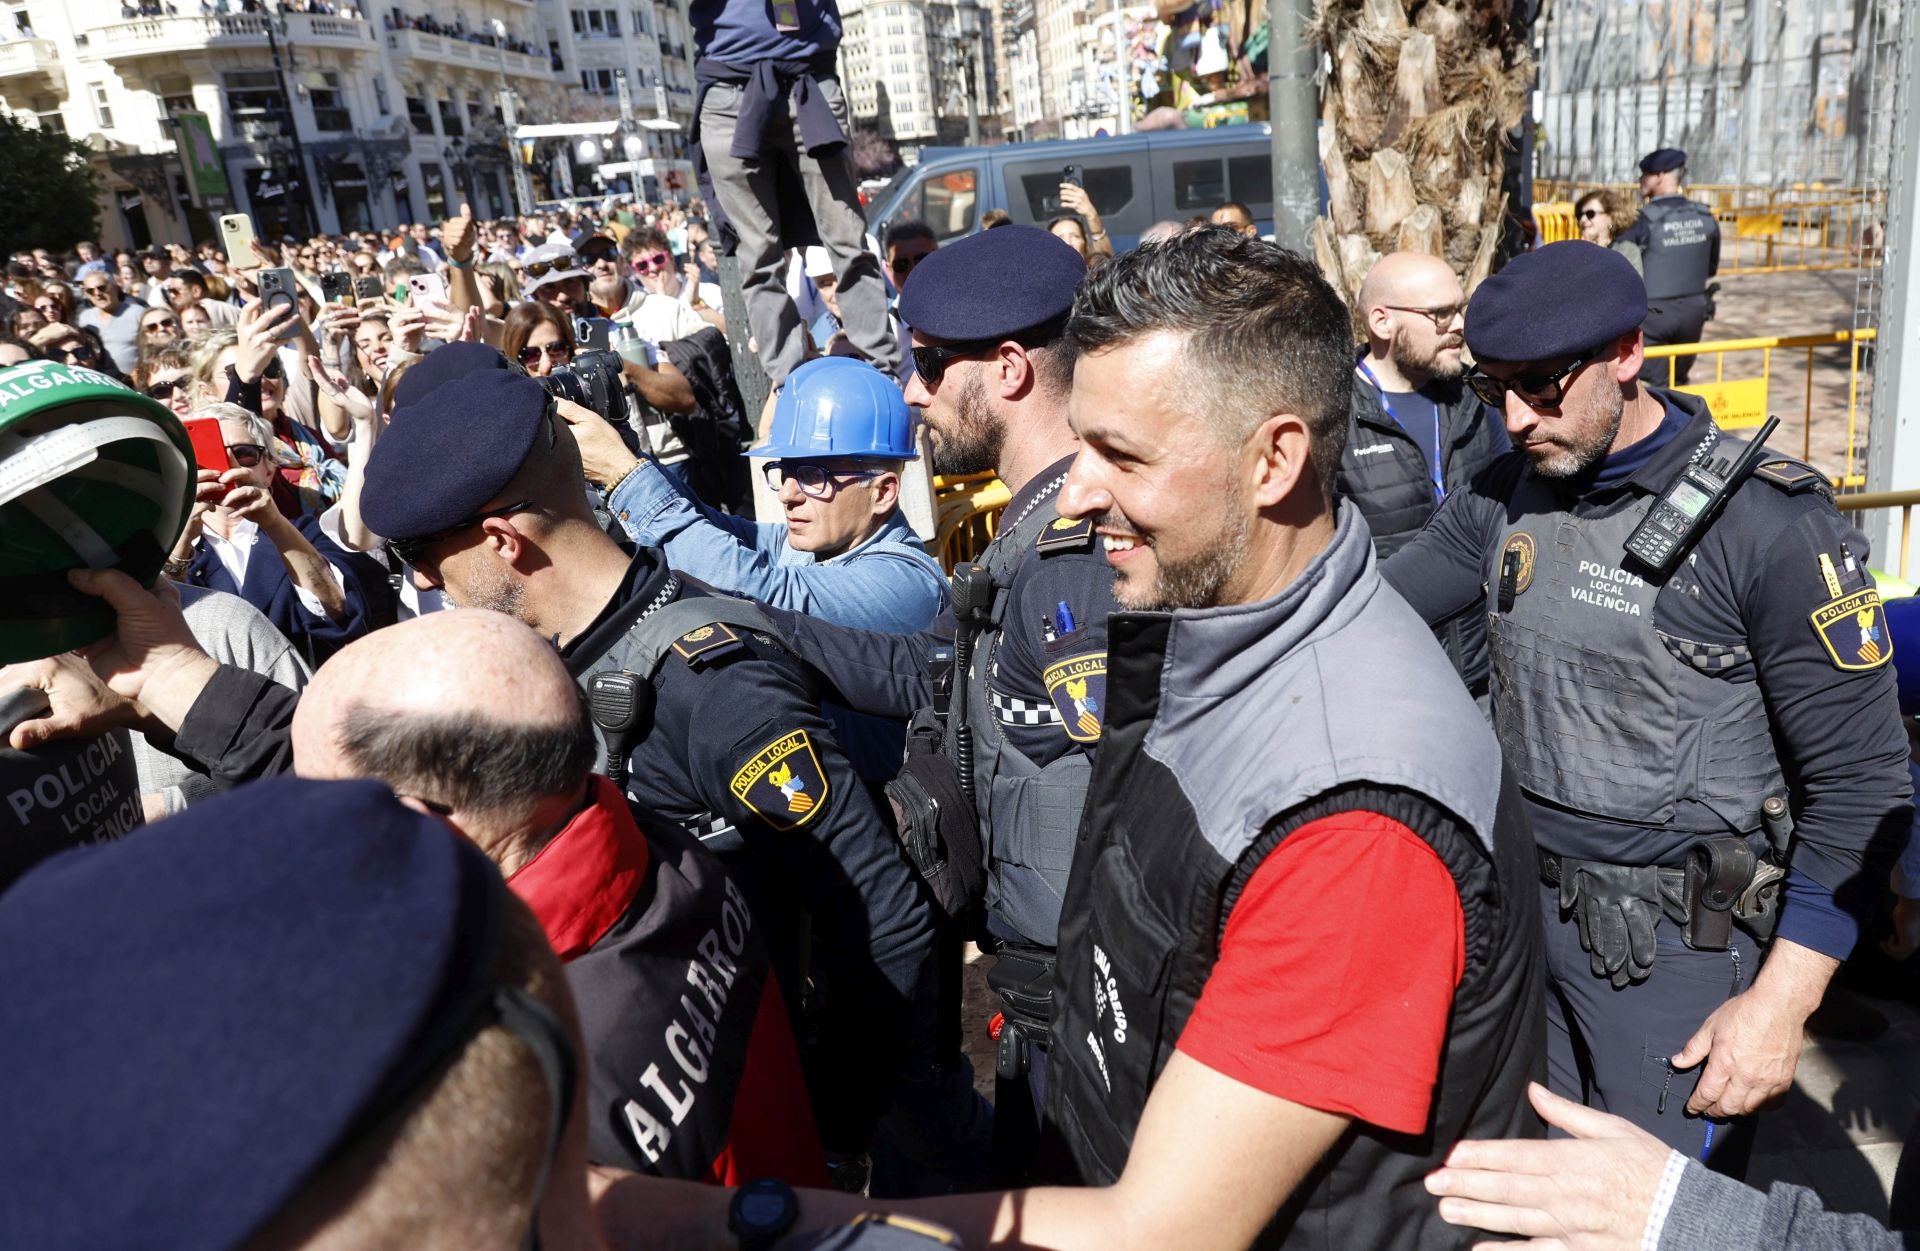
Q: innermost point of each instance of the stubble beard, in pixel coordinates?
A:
(973, 443)
(1570, 459)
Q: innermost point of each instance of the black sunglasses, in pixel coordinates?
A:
(79, 353)
(1544, 389)
(246, 455)
(931, 360)
(413, 551)
(166, 390)
(1587, 215)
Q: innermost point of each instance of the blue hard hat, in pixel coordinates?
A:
(837, 407)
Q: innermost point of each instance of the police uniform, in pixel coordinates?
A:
(728, 740)
(1649, 718)
(1020, 710)
(1679, 252)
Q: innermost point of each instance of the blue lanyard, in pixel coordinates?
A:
(1438, 472)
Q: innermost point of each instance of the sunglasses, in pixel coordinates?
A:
(166, 390)
(274, 370)
(931, 360)
(1543, 389)
(598, 256)
(246, 455)
(903, 265)
(1587, 215)
(817, 481)
(651, 264)
(45, 306)
(95, 290)
(558, 353)
(79, 353)
(540, 269)
(162, 323)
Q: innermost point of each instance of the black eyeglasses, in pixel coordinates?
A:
(1543, 389)
(1441, 317)
(166, 390)
(819, 481)
(246, 455)
(413, 551)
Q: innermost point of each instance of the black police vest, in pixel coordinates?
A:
(1185, 806)
(1677, 258)
(62, 794)
(1599, 710)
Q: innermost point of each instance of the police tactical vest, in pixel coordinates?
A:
(1678, 256)
(1600, 711)
(668, 1001)
(1029, 813)
(1330, 698)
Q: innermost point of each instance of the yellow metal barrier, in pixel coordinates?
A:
(1770, 230)
(1555, 221)
(966, 515)
(1743, 402)
(1863, 501)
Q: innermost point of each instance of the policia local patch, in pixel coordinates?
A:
(783, 783)
(1853, 629)
(1078, 688)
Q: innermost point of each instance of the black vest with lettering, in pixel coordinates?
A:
(1191, 792)
(1677, 258)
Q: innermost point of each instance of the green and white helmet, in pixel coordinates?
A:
(92, 475)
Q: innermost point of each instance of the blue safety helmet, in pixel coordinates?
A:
(1903, 631)
(839, 408)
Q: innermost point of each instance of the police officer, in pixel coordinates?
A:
(1652, 716)
(705, 718)
(1010, 682)
(1679, 253)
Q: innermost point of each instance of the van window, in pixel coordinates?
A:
(1198, 186)
(1250, 180)
(1110, 187)
(950, 202)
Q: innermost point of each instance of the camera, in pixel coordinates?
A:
(592, 380)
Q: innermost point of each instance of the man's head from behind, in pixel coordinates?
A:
(1415, 312)
(383, 1073)
(1210, 396)
(467, 713)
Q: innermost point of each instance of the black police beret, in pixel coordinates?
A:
(444, 457)
(1555, 301)
(1660, 160)
(444, 364)
(992, 285)
(202, 1013)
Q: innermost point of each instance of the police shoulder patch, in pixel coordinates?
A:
(1066, 534)
(707, 644)
(783, 782)
(1853, 628)
(1078, 688)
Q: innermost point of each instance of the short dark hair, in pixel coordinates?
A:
(1237, 207)
(648, 239)
(191, 276)
(473, 763)
(1264, 332)
(905, 232)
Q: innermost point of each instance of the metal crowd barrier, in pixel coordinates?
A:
(1763, 230)
(967, 511)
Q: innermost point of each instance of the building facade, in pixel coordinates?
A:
(322, 116)
(920, 73)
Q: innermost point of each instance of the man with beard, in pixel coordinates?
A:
(1006, 690)
(1414, 432)
(1650, 706)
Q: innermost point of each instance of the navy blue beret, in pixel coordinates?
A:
(1555, 301)
(1660, 160)
(444, 364)
(1903, 631)
(444, 457)
(201, 1014)
(992, 285)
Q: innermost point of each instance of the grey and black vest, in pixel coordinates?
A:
(1677, 259)
(1029, 813)
(1600, 711)
(1227, 730)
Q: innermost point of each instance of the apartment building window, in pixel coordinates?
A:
(641, 26)
(450, 123)
(597, 81)
(47, 109)
(380, 100)
(175, 92)
(329, 102)
(252, 96)
(101, 109)
(418, 115)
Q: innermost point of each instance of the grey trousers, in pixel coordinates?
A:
(746, 191)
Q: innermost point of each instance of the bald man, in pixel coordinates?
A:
(1415, 432)
(692, 1068)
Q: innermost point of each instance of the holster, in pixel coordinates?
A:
(939, 828)
(1023, 978)
(1718, 870)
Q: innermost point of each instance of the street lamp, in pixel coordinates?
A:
(276, 24)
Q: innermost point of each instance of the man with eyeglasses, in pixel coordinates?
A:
(1414, 432)
(1679, 253)
(114, 317)
(705, 719)
(1648, 716)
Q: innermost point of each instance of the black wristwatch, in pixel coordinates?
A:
(761, 1211)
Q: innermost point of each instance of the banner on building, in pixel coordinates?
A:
(206, 174)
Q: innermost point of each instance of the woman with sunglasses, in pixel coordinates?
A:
(1604, 217)
(159, 327)
(166, 374)
(539, 336)
(298, 578)
(75, 345)
(56, 303)
(244, 366)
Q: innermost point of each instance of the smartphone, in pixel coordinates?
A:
(279, 286)
(1072, 174)
(367, 289)
(337, 287)
(236, 231)
(593, 334)
(209, 445)
(427, 288)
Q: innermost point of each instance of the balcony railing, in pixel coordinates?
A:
(157, 36)
(20, 58)
(446, 50)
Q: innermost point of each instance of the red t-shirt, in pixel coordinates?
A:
(1336, 973)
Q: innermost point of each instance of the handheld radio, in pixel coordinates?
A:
(1689, 504)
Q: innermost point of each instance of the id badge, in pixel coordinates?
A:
(786, 16)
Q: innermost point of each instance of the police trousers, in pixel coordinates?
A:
(1679, 320)
(1608, 1048)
